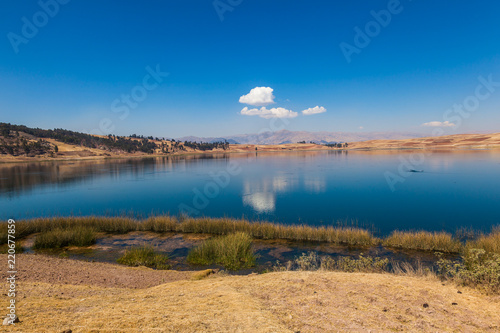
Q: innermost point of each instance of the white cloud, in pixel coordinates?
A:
(258, 96)
(314, 110)
(439, 124)
(269, 113)
(361, 127)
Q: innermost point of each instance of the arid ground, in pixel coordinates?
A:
(60, 294)
(450, 142)
(461, 141)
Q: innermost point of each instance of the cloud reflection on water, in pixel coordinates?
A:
(261, 196)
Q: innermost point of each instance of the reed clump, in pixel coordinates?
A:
(59, 238)
(489, 243)
(145, 255)
(423, 241)
(215, 226)
(233, 251)
(266, 230)
(117, 225)
(159, 224)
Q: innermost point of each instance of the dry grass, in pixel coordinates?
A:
(413, 270)
(442, 142)
(267, 230)
(233, 251)
(145, 255)
(215, 226)
(423, 241)
(159, 224)
(58, 238)
(99, 224)
(274, 302)
(352, 236)
(490, 243)
(200, 275)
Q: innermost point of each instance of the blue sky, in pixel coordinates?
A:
(88, 54)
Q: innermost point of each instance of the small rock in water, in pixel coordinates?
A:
(8, 320)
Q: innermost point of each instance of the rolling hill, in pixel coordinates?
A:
(285, 136)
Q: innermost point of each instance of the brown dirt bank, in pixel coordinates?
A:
(47, 269)
(273, 302)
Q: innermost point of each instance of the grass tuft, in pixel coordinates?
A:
(414, 270)
(489, 243)
(58, 238)
(145, 255)
(200, 275)
(115, 225)
(159, 224)
(423, 241)
(232, 251)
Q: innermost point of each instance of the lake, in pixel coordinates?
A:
(374, 190)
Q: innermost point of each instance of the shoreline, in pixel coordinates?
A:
(122, 157)
(94, 158)
(340, 235)
(455, 142)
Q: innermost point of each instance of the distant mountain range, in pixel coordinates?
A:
(284, 136)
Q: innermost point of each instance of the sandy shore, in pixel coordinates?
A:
(60, 294)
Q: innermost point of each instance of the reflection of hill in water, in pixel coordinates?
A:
(23, 177)
(19, 178)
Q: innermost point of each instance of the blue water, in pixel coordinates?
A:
(455, 189)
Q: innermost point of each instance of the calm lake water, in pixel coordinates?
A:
(374, 189)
